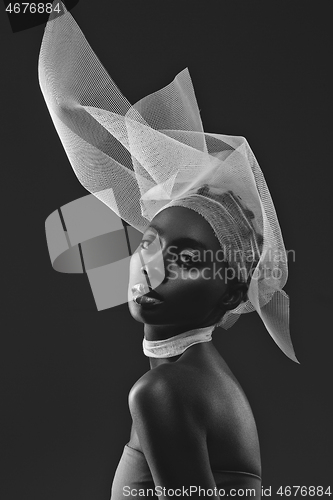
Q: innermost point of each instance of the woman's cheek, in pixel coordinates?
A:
(191, 282)
(204, 286)
(135, 275)
(173, 274)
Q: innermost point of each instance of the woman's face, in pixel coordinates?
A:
(180, 258)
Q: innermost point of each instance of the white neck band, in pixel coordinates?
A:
(176, 345)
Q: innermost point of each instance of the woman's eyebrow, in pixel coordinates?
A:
(180, 241)
(190, 242)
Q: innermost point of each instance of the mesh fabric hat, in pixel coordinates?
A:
(142, 158)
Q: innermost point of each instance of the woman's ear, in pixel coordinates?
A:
(236, 294)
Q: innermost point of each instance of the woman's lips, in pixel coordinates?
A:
(143, 300)
(143, 295)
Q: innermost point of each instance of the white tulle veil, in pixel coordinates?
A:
(139, 159)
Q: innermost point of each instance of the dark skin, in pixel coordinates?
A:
(190, 415)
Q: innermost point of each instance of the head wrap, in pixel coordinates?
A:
(141, 158)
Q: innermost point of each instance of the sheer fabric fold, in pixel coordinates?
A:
(139, 159)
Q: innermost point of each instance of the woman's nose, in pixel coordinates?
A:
(154, 272)
(144, 270)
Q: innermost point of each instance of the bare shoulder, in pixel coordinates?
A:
(169, 433)
(210, 390)
(205, 405)
(162, 385)
(176, 389)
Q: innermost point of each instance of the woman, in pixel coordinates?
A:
(192, 424)
(212, 249)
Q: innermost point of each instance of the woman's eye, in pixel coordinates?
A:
(145, 244)
(150, 246)
(187, 257)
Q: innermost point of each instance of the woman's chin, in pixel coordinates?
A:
(152, 314)
(159, 316)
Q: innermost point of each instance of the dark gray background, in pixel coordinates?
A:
(260, 69)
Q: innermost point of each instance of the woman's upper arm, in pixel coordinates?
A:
(171, 436)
